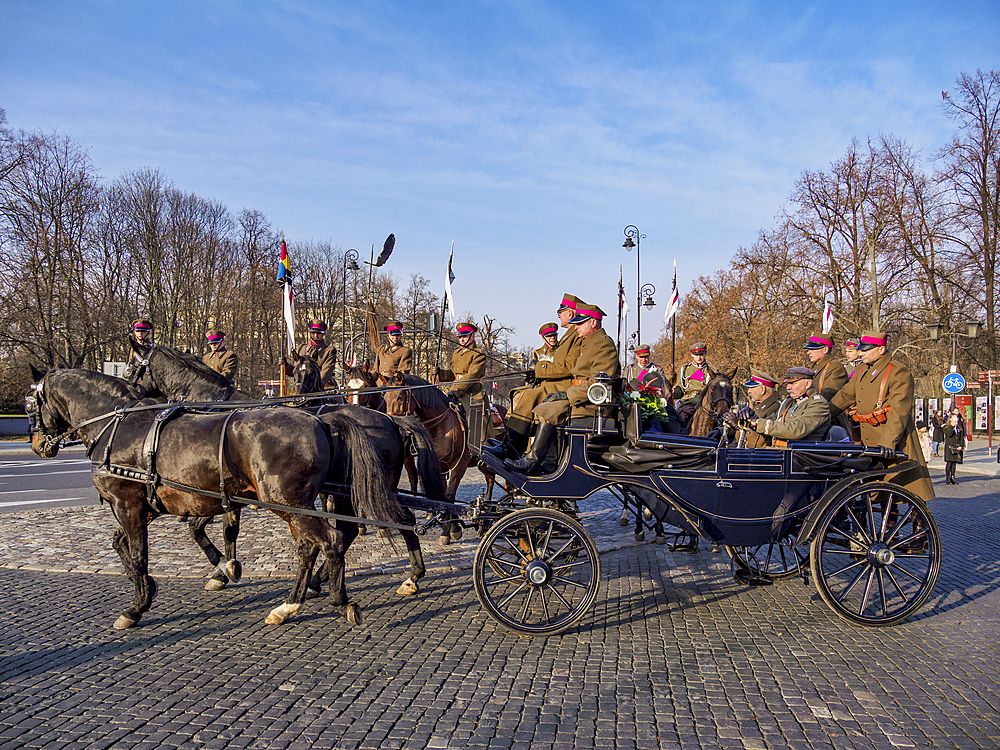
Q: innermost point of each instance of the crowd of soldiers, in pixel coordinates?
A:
(867, 399)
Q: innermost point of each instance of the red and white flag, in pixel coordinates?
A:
(827, 314)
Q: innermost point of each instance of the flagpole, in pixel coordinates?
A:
(673, 325)
(444, 304)
(621, 293)
(284, 325)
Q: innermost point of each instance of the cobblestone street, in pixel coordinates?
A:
(674, 654)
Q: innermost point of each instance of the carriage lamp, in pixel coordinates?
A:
(599, 392)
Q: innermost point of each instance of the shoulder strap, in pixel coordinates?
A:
(882, 385)
(822, 375)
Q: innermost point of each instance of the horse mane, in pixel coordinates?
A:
(187, 372)
(429, 395)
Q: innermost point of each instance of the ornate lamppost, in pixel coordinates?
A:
(935, 330)
(632, 239)
(350, 264)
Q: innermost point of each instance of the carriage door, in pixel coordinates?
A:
(751, 488)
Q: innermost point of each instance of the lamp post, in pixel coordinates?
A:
(350, 264)
(935, 330)
(632, 239)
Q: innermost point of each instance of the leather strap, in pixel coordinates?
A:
(882, 386)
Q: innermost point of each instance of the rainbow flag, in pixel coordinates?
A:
(284, 267)
(287, 295)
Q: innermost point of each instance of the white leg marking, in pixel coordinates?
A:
(280, 614)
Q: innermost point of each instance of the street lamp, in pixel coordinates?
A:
(632, 239)
(935, 330)
(350, 264)
(647, 291)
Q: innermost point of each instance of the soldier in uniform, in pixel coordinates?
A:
(550, 339)
(804, 415)
(694, 376)
(468, 366)
(220, 358)
(142, 333)
(830, 374)
(324, 354)
(853, 357)
(598, 354)
(393, 357)
(764, 403)
(645, 371)
(552, 375)
(879, 397)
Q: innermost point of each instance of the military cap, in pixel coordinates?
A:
(568, 301)
(548, 329)
(799, 373)
(142, 324)
(215, 335)
(317, 325)
(642, 350)
(699, 348)
(394, 327)
(851, 344)
(759, 377)
(466, 329)
(585, 312)
(818, 341)
(872, 339)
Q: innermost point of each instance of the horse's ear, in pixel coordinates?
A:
(139, 348)
(36, 374)
(364, 367)
(732, 374)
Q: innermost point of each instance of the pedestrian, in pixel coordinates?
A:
(925, 440)
(954, 447)
(853, 356)
(961, 422)
(937, 432)
(220, 358)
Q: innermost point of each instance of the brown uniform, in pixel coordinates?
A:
(468, 365)
(898, 431)
(689, 386)
(392, 358)
(652, 375)
(224, 362)
(326, 358)
(806, 418)
(555, 375)
(764, 410)
(598, 354)
(831, 376)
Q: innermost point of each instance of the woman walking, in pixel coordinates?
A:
(954, 447)
(937, 432)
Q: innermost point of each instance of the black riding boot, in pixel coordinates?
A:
(539, 449)
(514, 441)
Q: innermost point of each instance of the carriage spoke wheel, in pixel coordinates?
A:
(536, 572)
(876, 554)
(774, 562)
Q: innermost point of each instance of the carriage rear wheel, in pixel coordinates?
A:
(537, 572)
(776, 562)
(876, 554)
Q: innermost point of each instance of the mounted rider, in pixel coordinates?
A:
(645, 372)
(694, 376)
(220, 358)
(393, 357)
(464, 379)
(322, 353)
(142, 333)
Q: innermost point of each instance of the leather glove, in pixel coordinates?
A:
(730, 419)
(746, 424)
(746, 413)
(557, 396)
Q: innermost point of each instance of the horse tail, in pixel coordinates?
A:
(354, 457)
(428, 465)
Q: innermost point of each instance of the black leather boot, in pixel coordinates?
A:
(533, 458)
(511, 446)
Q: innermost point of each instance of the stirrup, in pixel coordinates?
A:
(689, 543)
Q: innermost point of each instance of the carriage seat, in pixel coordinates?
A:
(655, 450)
(823, 460)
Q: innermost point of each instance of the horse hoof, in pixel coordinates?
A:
(623, 521)
(661, 540)
(312, 593)
(647, 514)
(352, 612)
(279, 615)
(382, 534)
(123, 623)
(409, 588)
(234, 570)
(444, 541)
(456, 534)
(362, 529)
(640, 536)
(215, 584)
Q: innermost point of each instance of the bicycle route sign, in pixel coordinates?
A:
(953, 383)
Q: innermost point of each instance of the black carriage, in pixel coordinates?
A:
(820, 509)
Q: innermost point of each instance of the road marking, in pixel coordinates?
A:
(40, 502)
(48, 473)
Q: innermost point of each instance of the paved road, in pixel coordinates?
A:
(27, 481)
(673, 655)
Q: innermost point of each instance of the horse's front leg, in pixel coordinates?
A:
(226, 569)
(306, 550)
(131, 542)
(417, 570)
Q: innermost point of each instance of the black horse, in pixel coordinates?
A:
(175, 375)
(281, 456)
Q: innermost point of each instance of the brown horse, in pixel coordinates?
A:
(280, 456)
(716, 399)
(412, 395)
(360, 378)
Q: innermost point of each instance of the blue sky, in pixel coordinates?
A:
(531, 133)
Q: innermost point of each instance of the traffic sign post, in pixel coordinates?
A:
(953, 383)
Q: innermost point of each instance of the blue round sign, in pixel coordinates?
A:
(953, 383)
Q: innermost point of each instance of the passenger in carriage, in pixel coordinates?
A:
(830, 374)
(804, 415)
(598, 355)
(545, 353)
(764, 404)
(552, 375)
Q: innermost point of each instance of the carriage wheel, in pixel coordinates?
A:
(536, 572)
(876, 554)
(777, 561)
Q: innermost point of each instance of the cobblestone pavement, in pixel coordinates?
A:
(674, 654)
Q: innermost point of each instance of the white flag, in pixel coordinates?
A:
(827, 315)
(623, 302)
(450, 277)
(675, 302)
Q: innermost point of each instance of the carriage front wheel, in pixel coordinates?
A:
(876, 554)
(536, 572)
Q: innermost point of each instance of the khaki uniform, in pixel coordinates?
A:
(390, 359)
(691, 387)
(598, 354)
(898, 432)
(326, 358)
(764, 410)
(654, 376)
(224, 362)
(831, 376)
(468, 365)
(544, 353)
(806, 418)
(556, 375)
